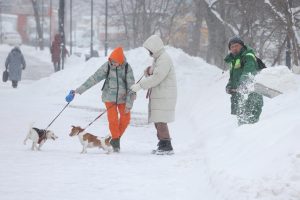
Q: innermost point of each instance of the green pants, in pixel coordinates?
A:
(247, 107)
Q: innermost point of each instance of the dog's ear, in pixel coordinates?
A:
(73, 126)
(107, 140)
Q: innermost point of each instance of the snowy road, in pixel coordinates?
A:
(36, 67)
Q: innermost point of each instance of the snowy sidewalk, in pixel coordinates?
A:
(214, 158)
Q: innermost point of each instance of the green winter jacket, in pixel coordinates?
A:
(114, 88)
(243, 67)
(240, 74)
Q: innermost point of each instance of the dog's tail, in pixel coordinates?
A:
(28, 134)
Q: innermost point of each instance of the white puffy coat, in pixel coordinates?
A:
(162, 83)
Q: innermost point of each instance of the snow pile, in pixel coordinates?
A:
(279, 78)
(214, 158)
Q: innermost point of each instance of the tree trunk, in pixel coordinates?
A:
(277, 59)
(61, 20)
(217, 35)
(194, 43)
(125, 24)
(291, 34)
(38, 24)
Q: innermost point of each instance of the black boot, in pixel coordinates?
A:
(164, 148)
(159, 144)
(115, 143)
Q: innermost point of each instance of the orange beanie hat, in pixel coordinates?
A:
(117, 55)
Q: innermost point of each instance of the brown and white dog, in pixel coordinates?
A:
(39, 136)
(89, 141)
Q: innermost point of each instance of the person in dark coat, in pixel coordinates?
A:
(14, 64)
(55, 52)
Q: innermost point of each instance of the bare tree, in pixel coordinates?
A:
(284, 13)
(38, 24)
(264, 25)
(142, 18)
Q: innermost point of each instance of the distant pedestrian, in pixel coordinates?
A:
(14, 64)
(55, 52)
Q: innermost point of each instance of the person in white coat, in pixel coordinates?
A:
(162, 91)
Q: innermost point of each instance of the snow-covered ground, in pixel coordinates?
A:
(214, 158)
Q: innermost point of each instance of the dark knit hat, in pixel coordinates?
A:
(234, 40)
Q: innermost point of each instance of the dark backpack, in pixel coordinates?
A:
(260, 64)
(108, 70)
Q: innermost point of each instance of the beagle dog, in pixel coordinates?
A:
(89, 141)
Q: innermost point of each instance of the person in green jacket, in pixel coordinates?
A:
(246, 104)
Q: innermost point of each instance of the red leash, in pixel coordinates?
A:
(109, 107)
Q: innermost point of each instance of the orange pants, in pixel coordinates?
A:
(117, 126)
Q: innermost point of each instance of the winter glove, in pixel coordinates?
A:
(70, 96)
(136, 87)
(230, 91)
(148, 71)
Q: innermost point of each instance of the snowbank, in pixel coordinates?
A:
(279, 78)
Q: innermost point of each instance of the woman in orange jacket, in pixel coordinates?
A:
(118, 76)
